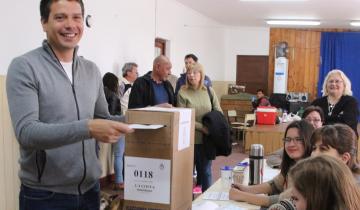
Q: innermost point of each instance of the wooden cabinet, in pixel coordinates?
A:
(270, 136)
(241, 106)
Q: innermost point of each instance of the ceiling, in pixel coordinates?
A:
(331, 13)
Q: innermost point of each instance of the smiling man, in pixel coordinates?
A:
(54, 97)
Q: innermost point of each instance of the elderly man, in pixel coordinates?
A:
(130, 74)
(153, 89)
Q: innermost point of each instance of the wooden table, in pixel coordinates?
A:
(270, 136)
(269, 173)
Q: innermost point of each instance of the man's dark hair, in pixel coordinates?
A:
(46, 4)
(260, 90)
(191, 56)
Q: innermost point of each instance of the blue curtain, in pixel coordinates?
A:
(341, 50)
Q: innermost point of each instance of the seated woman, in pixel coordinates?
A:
(338, 141)
(297, 146)
(323, 182)
(337, 102)
(315, 116)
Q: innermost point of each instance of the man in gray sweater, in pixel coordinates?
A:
(58, 109)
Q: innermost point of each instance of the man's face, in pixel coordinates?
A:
(133, 74)
(163, 69)
(188, 63)
(259, 94)
(65, 25)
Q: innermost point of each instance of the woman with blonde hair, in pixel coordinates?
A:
(194, 94)
(324, 182)
(338, 104)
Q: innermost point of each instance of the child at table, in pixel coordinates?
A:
(297, 146)
(338, 141)
(324, 182)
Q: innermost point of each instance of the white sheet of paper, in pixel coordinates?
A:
(147, 179)
(143, 126)
(184, 129)
(220, 196)
(206, 205)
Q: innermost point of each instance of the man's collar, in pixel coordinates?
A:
(126, 81)
(49, 49)
(155, 80)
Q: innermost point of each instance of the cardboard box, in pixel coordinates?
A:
(159, 162)
(266, 115)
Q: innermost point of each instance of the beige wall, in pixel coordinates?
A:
(221, 87)
(9, 153)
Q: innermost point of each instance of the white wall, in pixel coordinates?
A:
(122, 31)
(21, 30)
(125, 31)
(243, 41)
(191, 32)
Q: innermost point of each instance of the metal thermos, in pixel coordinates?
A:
(256, 164)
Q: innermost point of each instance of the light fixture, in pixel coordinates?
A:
(294, 22)
(273, 0)
(355, 23)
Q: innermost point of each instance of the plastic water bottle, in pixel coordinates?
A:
(226, 176)
(284, 116)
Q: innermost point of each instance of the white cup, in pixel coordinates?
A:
(226, 176)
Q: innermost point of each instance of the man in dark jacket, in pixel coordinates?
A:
(153, 89)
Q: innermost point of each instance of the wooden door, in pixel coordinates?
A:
(160, 47)
(252, 71)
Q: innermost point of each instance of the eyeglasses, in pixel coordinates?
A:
(335, 81)
(296, 140)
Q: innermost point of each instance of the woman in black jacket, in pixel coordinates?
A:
(111, 89)
(338, 104)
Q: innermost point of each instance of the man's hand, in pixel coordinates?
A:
(107, 131)
(205, 130)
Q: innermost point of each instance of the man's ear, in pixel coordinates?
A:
(346, 157)
(44, 24)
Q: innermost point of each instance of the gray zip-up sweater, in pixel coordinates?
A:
(50, 116)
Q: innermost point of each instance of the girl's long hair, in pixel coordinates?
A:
(326, 183)
(305, 130)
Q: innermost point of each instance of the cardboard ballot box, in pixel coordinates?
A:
(159, 159)
(266, 115)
